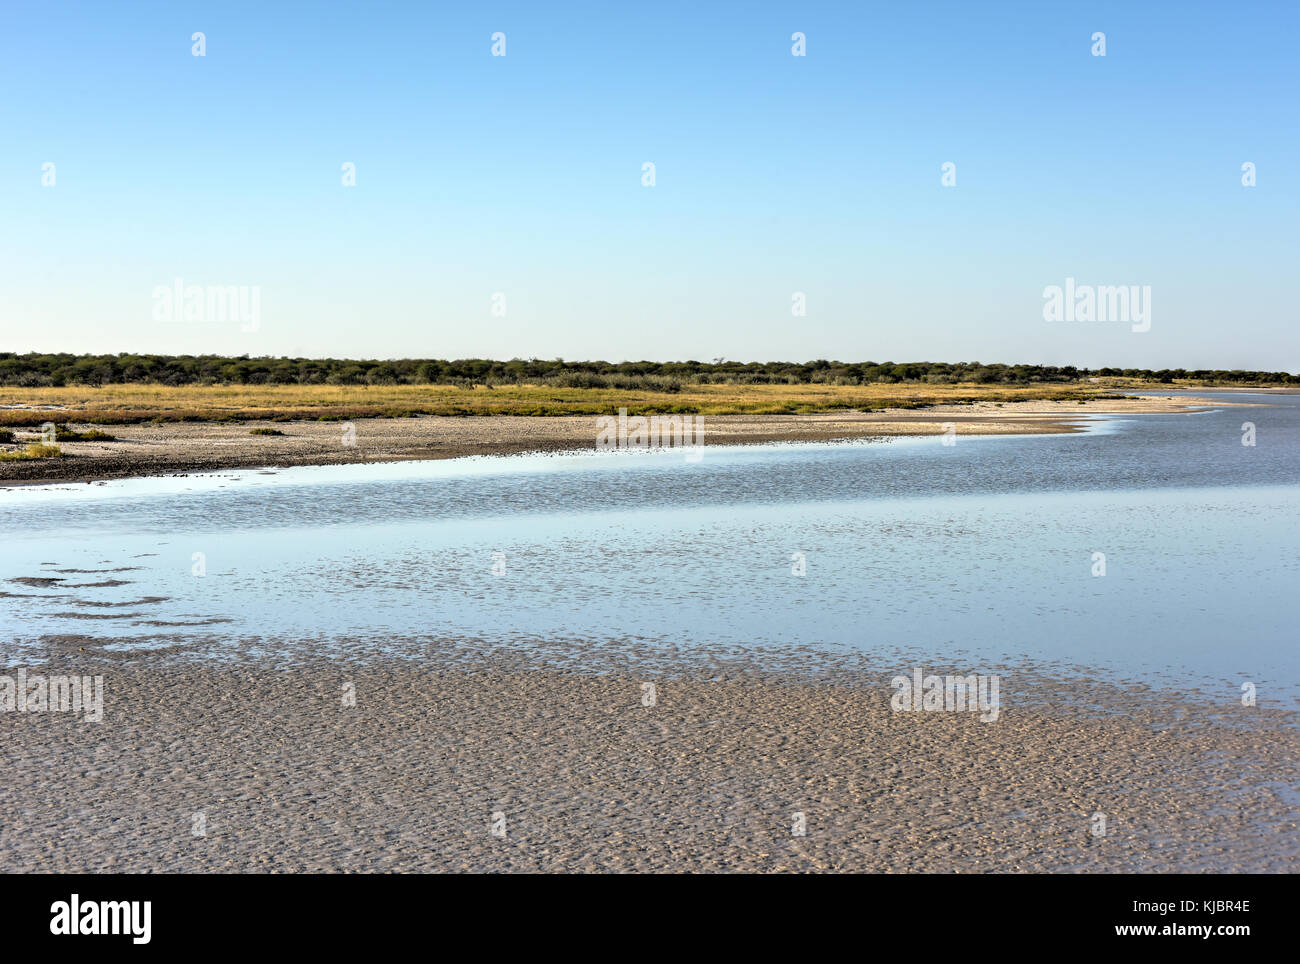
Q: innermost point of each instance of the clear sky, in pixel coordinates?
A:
(774, 174)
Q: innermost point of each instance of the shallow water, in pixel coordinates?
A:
(981, 552)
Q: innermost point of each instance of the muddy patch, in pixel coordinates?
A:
(97, 615)
(142, 601)
(93, 572)
(38, 582)
(161, 623)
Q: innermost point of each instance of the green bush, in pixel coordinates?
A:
(34, 451)
(64, 434)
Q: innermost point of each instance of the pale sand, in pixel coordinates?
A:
(290, 779)
(171, 448)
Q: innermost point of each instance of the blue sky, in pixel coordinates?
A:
(774, 174)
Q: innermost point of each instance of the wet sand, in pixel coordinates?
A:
(287, 777)
(175, 448)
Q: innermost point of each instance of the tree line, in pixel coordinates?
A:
(35, 370)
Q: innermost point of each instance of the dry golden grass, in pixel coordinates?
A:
(35, 450)
(126, 404)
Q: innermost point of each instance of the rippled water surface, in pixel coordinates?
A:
(982, 551)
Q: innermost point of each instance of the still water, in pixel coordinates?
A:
(984, 551)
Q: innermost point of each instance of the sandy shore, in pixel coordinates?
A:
(287, 777)
(171, 448)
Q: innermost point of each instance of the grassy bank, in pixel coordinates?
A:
(130, 404)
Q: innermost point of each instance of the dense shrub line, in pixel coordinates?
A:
(57, 370)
